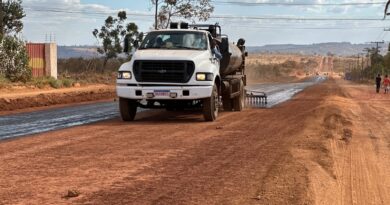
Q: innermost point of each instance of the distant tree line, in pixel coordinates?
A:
(379, 64)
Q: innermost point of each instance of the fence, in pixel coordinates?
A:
(43, 59)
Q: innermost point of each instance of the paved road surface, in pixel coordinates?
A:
(48, 120)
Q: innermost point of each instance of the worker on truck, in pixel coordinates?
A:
(215, 49)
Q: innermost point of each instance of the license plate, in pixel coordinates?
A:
(162, 93)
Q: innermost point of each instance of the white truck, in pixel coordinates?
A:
(177, 68)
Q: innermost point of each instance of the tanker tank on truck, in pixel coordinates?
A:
(177, 68)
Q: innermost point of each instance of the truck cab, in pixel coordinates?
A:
(172, 69)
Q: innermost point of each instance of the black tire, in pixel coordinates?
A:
(210, 106)
(239, 102)
(128, 109)
(227, 104)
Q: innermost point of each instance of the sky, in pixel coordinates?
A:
(260, 22)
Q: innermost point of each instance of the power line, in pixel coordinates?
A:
(294, 18)
(297, 4)
(55, 10)
(305, 28)
(280, 18)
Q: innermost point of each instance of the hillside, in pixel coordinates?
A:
(340, 49)
(65, 52)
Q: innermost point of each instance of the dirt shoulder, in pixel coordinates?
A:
(346, 147)
(165, 158)
(20, 100)
(326, 146)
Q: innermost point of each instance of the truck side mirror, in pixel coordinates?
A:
(126, 45)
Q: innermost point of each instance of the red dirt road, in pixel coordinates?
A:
(17, 101)
(311, 150)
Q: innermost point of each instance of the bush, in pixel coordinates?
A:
(14, 59)
(4, 82)
(54, 83)
(43, 82)
(67, 83)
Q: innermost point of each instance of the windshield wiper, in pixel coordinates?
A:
(189, 48)
(151, 48)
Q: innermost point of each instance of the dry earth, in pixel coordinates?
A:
(19, 100)
(329, 145)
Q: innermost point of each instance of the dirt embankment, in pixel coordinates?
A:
(329, 145)
(24, 100)
(346, 147)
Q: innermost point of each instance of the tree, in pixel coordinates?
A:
(1, 19)
(11, 15)
(188, 9)
(112, 34)
(14, 59)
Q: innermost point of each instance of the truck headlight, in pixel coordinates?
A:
(125, 75)
(204, 77)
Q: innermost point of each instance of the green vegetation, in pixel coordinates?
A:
(50, 82)
(14, 59)
(4, 82)
(13, 54)
(67, 83)
(113, 33)
(192, 10)
(367, 72)
(12, 14)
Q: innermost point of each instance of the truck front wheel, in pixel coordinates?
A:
(210, 106)
(128, 109)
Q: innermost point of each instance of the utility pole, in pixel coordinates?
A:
(377, 45)
(155, 16)
(368, 50)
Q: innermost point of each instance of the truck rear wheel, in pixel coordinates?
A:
(210, 106)
(227, 103)
(239, 102)
(128, 109)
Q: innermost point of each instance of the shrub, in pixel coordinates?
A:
(4, 82)
(14, 59)
(40, 82)
(43, 82)
(54, 83)
(67, 83)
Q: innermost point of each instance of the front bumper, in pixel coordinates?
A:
(183, 92)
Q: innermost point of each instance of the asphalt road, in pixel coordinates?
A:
(18, 125)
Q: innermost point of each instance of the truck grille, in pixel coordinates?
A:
(163, 71)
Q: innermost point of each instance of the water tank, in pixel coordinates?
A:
(232, 59)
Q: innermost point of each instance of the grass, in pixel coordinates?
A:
(45, 82)
(4, 82)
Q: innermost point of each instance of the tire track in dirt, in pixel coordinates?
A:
(357, 171)
(166, 158)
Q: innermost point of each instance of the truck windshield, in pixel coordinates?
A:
(175, 40)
